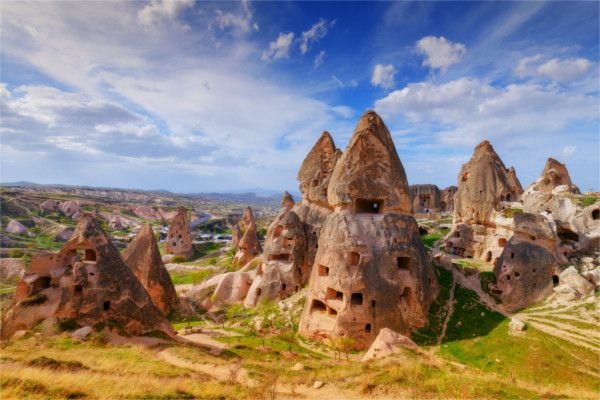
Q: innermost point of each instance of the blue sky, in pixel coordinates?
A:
(222, 96)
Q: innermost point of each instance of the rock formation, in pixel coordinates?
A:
(86, 281)
(447, 198)
(313, 176)
(143, 257)
(16, 227)
(387, 343)
(554, 175)
(249, 246)
(370, 270)
(479, 228)
(280, 273)
(425, 198)
(70, 208)
(179, 238)
(50, 205)
(515, 184)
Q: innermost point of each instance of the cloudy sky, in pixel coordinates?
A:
(222, 96)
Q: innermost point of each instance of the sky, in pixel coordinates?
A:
(221, 96)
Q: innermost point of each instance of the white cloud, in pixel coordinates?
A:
(568, 151)
(319, 59)
(343, 111)
(439, 52)
(383, 76)
(342, 84)
(158, 10)
(314, 34)
(559, 70)
(279, 48)
(469, 110)
(240, 22)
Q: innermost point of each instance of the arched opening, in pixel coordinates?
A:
(488, 256)
(555, 280)
(284, 286)
(368, 206)
(508, 197)
(318, 306)
(106, 305)
(89, 255)
(356, 299)
(596, 214)
(368, 328)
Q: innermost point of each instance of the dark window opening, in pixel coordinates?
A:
(331, 311)
(179, 236)
(89, 255)
(368, 328)
(334, 294)
(502, 242)
(488, 256)
(512, 255)
(315, 182)
(368, 206)
(430, 281)
(456, 234)
(596, 214)
(517, 274)
(373, 302)
(42, 283)
(258, 292)
(555, 280)
(78, 290)
(279, 257)
(567, 234)
(532, 238)
(106, 305)
(284, 286)
(318, 306)
(356, 299)
(508, 197)
(174, 244)
(353, 259)
(404, 263)
(323, 270)
(533, 271)
(422, 231)
(508, 277)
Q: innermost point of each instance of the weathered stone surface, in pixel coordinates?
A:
(232, 288)
(514, 183)
(554, 175)
(64, 235)
(143, 257)
(593, 276)
(11, 269)
(369, 173)
(70, 208)
(82, 333)
(525, 274)
(447, 198)
(571, 278)
(88, 281)
(425, 198)
(50, 205)
(516, 326)
(16, 227)
(316, 170)
(287, 200)
(387, 343)
(281, 272)
(249, 245)
(370, 271)
(179, 238)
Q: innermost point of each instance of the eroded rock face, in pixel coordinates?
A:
(316, 170)
(387, 343)
(16, 227)
(369, 174)
(514, 183)
(281, 271)
(249, 246)
(70, 208)
(143, 257)
(447, 198)
(425, 198)
(479, 228)
(370, 270)
(554, 175)
(50, 205)
(88, 281)
(179, 238)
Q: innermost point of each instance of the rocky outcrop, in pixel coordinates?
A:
(554, 177)
(387, 343)
(249, 245)
(514, 184)
(50, 205)
(64, 234)
(370, 270)
(86, 281)
(179, 238)
(280, 273)
(479, 228)
(425, 198)
(143, 257)
(70, 208)
(447, 198)
(16, 227)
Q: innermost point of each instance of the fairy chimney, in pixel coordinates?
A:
(143, 257)
(86, 281)
(249, 245)
(370, 270)
(179, 238)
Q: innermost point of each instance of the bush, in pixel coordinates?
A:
(16, 253)
(178, 259)
(67, 324)
(38, 298)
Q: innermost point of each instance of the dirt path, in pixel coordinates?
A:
(450, 308)
(566, 336)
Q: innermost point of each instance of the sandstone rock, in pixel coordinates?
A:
(50, 205)
(70, 208)
(287, 200)
(19, 334)
(179, 238)
(516, 326)
(64, 235)
(370, 270)
(387, 343)
(369, 175)
(82, 333)
(236, 236)
(553, 175)
(143, 257)
(316, 170)
(593, 276)
(249, 245)
(298, 367)
(88, 281)
(514, 184)
(425, 198)
(11, 269)
(16, 227)
(447, 198)
(318, 385)
(571, 278)
(232, 288)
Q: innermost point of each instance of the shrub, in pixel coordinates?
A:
(178, 259)
(67, 324)
(16, 253)
(38, 298)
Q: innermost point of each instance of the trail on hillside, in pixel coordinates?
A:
(450, 311)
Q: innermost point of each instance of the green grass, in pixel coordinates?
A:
(180, 277)
(586, 200)
(486, 278)
(437, 311)
(510, 212)
(429, 239)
